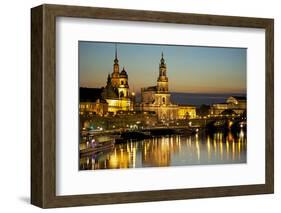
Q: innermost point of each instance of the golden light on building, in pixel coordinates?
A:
(117, 92)
(185, 112)
(158, 99)
(97, 107)
(234, 105)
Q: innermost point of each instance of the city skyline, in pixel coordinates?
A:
(170, 122)
(190, 69)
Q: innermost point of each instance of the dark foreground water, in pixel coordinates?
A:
(176, 150)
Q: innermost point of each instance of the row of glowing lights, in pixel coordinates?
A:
(135, 126)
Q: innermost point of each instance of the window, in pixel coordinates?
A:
(163, 100)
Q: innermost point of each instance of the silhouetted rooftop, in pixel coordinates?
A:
(90, 94)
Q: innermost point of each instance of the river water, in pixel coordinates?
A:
(175, 150)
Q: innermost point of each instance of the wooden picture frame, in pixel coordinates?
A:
(43, 105)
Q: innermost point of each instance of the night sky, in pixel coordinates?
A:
(190, 69)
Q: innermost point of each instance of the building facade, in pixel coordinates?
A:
(98, 107)
(117, 92)
(116, 97)
(91, 102)
(235, 104)
(186, 112)
(158, 98)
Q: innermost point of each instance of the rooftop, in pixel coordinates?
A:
(90, 94)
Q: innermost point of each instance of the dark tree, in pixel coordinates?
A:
(203, 110)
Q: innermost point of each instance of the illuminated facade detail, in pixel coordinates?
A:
(99, 107)
(158, 98)
(91, 102)
(117, 91)
(186, 112)
(235, 104)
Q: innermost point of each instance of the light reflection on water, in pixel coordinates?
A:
(174, 150)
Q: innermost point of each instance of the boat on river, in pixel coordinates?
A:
(97, 145)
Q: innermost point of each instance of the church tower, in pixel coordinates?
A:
(162, 96)
(123, 88)
(158, 98)
(162, 81)
(115, 74)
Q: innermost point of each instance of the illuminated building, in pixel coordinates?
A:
(185, 112)
(236, 104)
(117, 92)
(158, 99)
(99, 107)
(91, 102)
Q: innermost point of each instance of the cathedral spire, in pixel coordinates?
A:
(115, 73)
(162, 69)
(116, 56)
(162, 59)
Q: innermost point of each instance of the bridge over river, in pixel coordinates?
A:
(188, 126)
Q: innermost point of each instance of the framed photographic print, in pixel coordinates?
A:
(136, 106)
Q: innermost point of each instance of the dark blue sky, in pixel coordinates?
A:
(190, 69)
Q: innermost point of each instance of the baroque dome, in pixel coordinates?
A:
(123, 73)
